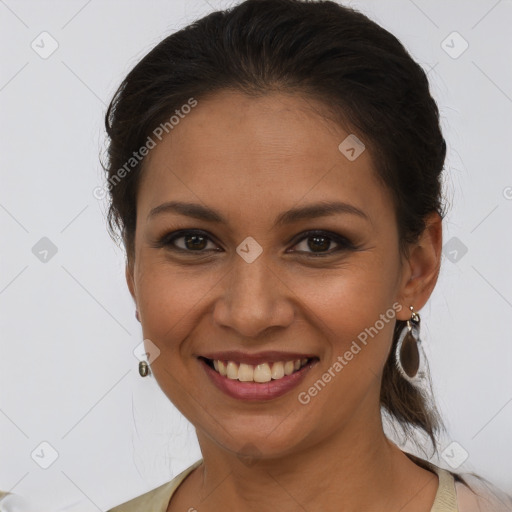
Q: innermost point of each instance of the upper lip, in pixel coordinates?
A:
(259, 358)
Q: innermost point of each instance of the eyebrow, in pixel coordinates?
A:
(311, 211)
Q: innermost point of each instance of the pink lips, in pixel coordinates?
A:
(255, 390)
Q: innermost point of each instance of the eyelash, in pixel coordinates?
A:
(169, 239)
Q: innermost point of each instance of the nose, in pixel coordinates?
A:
(254, 299)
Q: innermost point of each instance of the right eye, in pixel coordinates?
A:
(194, 241)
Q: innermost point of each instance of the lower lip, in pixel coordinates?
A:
(257, 390)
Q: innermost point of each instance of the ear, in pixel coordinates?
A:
(421, 267)
(130, 281)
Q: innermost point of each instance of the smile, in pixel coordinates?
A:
(263, 381)
(264, 372)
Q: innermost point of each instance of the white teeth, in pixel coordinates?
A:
(232, 370)
(288, 367)
(277, 370)
(245, 372)
(264, 372)
(222, 368)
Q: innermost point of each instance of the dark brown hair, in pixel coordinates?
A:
(324, 51)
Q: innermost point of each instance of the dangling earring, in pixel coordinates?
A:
(409, 355)
(144, 369)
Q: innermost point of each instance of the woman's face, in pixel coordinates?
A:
(251, 161)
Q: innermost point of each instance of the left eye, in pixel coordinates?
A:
(318, 242)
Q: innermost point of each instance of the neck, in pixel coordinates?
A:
(356, 468)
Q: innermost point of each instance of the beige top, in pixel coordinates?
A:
(451, 496)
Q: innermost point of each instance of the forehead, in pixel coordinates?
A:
(242, 151)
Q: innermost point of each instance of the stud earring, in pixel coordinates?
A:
(409, 355)
(144, 369)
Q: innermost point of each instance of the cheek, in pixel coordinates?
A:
(347, 307)
(170, 304)
(171, 301)
(353, 312)
(356, 331)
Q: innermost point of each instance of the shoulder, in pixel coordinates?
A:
(482, 496)
(453, 495)
(156, 500)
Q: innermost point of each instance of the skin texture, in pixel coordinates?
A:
(251, 159)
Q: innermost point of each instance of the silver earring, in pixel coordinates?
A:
(409, 355)
(144, 369)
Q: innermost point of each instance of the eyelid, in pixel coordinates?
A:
(169, 238)
(341, 240)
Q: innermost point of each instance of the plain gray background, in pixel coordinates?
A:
(68, 373)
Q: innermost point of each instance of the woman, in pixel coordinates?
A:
(275, 173)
